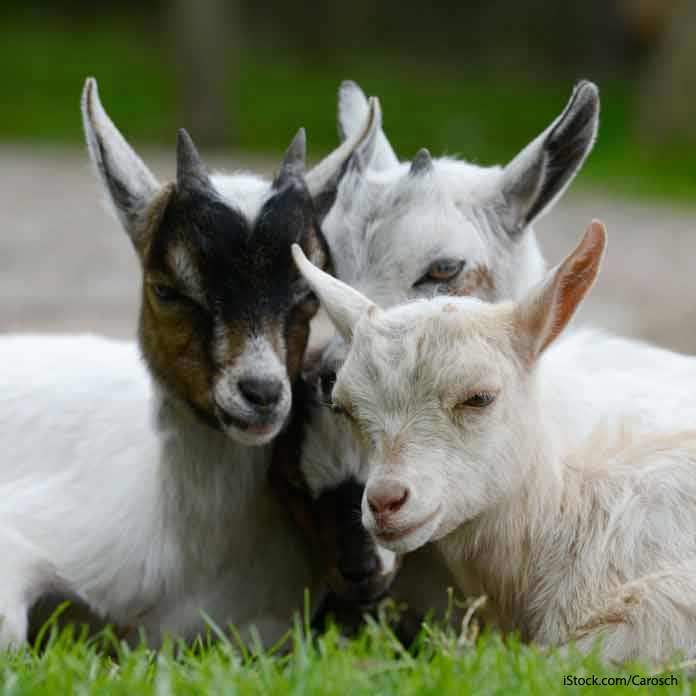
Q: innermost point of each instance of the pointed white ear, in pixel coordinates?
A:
(354, 153)
(344, 305)
(352, 112)
(128, 182)
(535, 179)
(546, 310)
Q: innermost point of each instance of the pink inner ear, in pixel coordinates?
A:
(573, 280)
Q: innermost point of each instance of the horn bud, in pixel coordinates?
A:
(422, 163)
(191, 172)
(293, 163)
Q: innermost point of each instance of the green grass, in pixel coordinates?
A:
(373, 663)
(485, 118)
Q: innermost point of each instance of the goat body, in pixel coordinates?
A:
(136, 477)
(150, 515)
(559, 472)
(599, 540)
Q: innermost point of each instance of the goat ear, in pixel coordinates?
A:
(352, 112)
(344, 305)
(129, 183)
(543, 314)
(539, 174)
(354, 153)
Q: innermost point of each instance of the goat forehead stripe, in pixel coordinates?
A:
(221, 257)
(184, 268)
(231, 339)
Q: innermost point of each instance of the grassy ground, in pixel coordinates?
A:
(373, 663)
(479, 116)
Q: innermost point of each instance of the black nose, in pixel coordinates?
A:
(262, 393)
(358, 569)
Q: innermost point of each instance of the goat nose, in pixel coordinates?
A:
(386, 497)
(358, 570)
(261, 393)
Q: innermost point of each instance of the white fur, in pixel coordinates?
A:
(111, 488)
(385, 229)
(387, 226)
(151, 517)
(352, 113)
(572, 497)
(258, 358)
(245, 191)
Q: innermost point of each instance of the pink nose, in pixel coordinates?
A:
(385, 497)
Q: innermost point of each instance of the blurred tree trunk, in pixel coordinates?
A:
(202, 38)
(667, 102)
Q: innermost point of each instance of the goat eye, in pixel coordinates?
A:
(477, 400)
(442, 271)
(337, 408)
(165, 293)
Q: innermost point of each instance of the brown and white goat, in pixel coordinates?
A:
(136, 476)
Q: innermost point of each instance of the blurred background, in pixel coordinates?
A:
(475, 79)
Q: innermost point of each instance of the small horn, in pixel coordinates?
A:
(191, 172)
(422, 163)
(293, 164)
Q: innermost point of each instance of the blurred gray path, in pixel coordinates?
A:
(66, 266)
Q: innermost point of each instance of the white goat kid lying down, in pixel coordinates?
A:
(406, 230)
(141, 486)
(558, 471)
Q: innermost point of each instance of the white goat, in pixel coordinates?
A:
(561, 472)
(403, 231)
(142, 487)
(400, 231)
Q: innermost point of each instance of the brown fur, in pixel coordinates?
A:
(234, 338)
(174, 351)
(619, 612)
(152, 219)
(477, 280)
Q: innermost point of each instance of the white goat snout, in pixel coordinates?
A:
(396, 514)
(253, 395)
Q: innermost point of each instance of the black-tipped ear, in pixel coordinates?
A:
(352, 112)
(293, 164)
(129, 183)
(191, 173)
(422, 163)
(538, 176)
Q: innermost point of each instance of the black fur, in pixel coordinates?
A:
(567, 145)
(246, 267)
(357, 560)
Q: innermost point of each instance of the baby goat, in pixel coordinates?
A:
(136, 478)
(400, 231)
(558, 471)
(403, 231)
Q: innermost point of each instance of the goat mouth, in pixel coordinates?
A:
(253, 425)
(398, 534)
